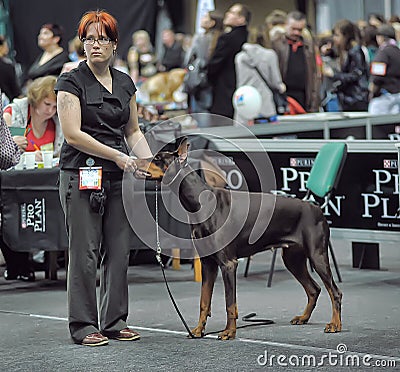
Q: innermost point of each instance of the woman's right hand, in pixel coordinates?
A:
(137, 166)
(22, 142)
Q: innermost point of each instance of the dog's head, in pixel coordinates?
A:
(167, 160)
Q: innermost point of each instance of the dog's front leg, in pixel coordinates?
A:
(229, 278)
(209, 271)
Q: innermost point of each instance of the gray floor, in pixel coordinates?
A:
(34, 337)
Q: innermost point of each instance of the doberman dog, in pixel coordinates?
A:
(238, 227)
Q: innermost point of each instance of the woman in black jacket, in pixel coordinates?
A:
(351, 81)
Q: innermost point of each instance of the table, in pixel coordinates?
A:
(32, 217)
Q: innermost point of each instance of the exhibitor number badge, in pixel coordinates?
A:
(90, 178)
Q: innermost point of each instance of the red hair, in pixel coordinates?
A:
(103, 18)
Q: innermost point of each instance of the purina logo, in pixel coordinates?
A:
(390, 164)
(33, 215)
(301, 162)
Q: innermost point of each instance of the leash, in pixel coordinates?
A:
(158, 257)
(247, 318)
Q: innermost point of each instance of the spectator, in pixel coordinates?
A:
(221, 67)
(36, 113)
(52, 60)
(173, 52)
(385, 74)
(376, 20)
(329, 100)
(256, 65)
(76, 55)
(202, 47)
(369, 41)
(351, 79)
(141, 57)
(8, 79)
(275, 23)
(297, 62)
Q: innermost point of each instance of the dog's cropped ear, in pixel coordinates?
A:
(183, 149)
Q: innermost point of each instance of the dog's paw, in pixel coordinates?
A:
(198, 332)
(227, 334)
(299, 320)
(332, 328)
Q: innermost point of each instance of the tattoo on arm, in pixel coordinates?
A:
(65, 103)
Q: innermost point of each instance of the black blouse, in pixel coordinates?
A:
(51, 67)
(103, 114)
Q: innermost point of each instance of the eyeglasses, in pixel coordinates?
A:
(101, 40)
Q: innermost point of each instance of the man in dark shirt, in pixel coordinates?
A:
(385, 73)
(173, 52)
(297, 62)
(221, 67)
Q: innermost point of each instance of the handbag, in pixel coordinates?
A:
(9, 151)
(280, 99)
(196, 76)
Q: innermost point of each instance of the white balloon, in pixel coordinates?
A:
(247, 102)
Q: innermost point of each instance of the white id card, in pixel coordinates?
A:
(90, 178)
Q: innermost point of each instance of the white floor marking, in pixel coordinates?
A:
(244, 340)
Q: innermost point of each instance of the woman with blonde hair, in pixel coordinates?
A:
(37, 114)
(141, 58)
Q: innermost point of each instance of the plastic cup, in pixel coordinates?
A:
(47, 157)
(21, 163)
(30, 160)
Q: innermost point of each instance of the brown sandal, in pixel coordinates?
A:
(127, 334)
(95, 339)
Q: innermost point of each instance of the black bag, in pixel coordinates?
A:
(196, 76)
(281, 102)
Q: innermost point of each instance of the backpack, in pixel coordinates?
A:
(196, 76)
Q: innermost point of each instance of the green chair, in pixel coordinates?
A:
(324, 177)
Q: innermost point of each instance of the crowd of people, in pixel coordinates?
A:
(349, 68)
(352, 68)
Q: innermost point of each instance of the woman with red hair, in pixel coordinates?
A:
(98, 115)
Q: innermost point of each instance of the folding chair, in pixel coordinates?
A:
(324, 177)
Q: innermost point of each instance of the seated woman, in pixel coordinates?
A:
(52, 60)
(37, 114)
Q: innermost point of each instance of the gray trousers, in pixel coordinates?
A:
(91, 236)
